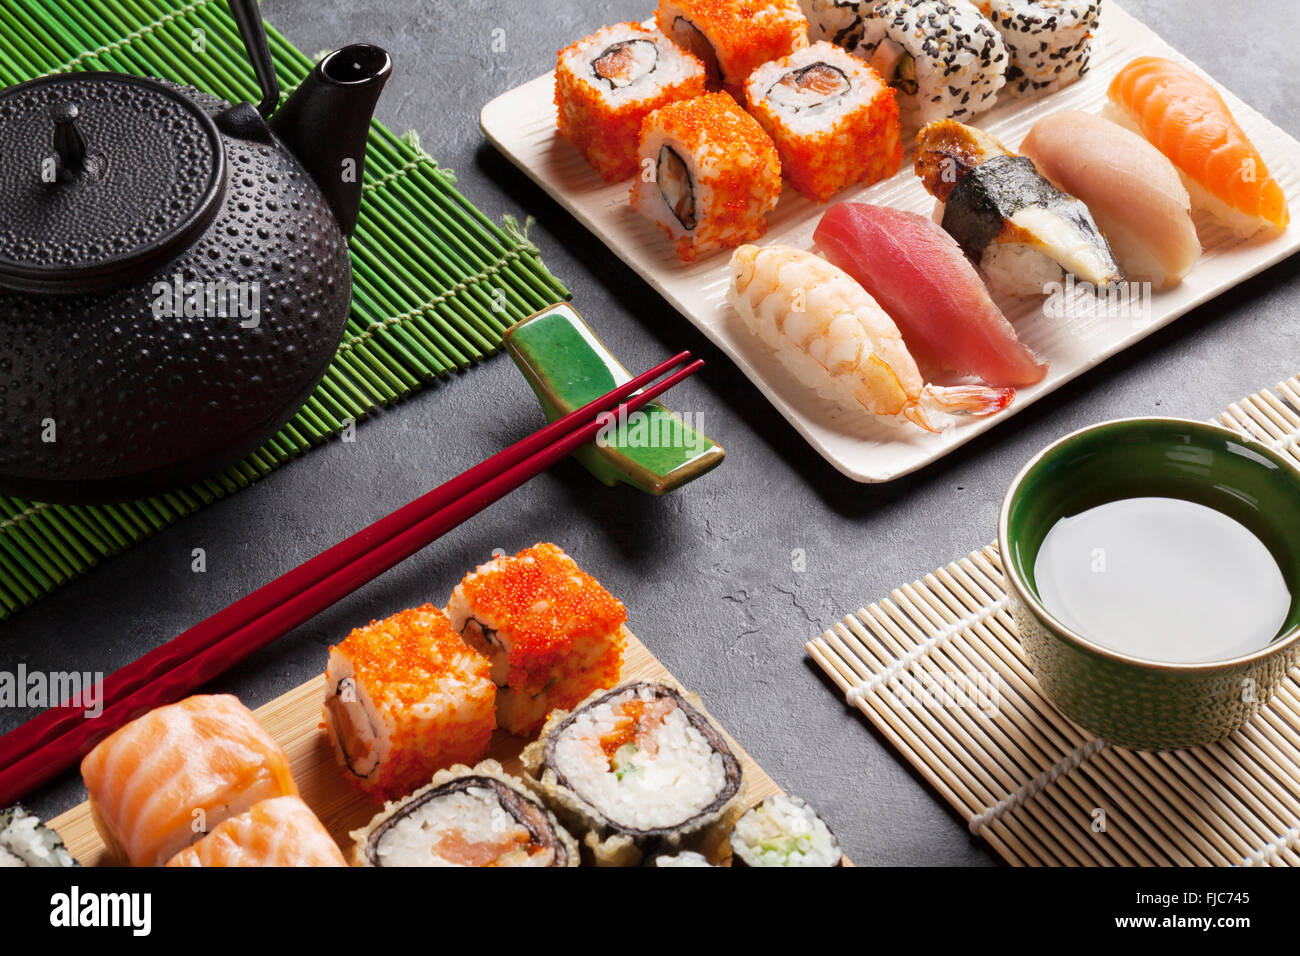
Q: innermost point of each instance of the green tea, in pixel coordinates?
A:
(1162, 579)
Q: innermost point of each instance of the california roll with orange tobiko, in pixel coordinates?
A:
(405, 697)
(709, 174)
(552, 633)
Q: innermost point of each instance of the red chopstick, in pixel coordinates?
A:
(52, 741)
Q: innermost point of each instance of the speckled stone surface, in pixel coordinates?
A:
(707, 572)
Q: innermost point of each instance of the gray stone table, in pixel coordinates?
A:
(706, 572)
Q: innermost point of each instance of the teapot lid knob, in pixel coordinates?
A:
(69, 144)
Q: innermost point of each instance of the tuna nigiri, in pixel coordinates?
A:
(1130, 188)
(920, 276)
(833, 336)
(160, 782)
(1185, 118)
(278, 832)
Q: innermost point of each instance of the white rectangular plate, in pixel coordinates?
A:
(521, 123)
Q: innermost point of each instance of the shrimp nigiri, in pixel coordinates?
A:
(1185, 118)
(834, 338)
(158, 783)
(278, 832)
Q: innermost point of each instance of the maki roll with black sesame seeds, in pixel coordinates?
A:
(25, 841)
(944, 59)
(783, 831)
(637, 770)
(1049, 41)
(466, 816)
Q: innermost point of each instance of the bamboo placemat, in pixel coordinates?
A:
(435, 282)
(937, 668)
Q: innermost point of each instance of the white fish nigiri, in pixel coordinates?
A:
(834, 338)
(1134, 192)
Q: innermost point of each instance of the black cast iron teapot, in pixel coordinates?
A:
(174, 270)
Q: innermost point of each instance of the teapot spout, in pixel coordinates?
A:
(326, 120)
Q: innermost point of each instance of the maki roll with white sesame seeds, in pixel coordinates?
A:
(466, 816)
(25, 841)
(944, 59)
(605, 85)
(637, 770)
(710, 175)
(833, 119)
(1049, 41)
(783, 831)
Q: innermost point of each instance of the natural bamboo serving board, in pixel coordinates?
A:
(1038, 787)
(294, 720)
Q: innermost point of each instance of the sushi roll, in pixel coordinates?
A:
(404, 697)
(605, 85)
(833, 119)
(25, 841)
(278, 832)
(710, 175)
(636, 770)
(837, 21)
(1049, 41)
(732, 37)
(1019, 228)
(943, 58)
(466, 816)
(783, 831)
(685, 858)
(209, 757)
(551, 633)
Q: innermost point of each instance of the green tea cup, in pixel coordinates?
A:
(1125, 699)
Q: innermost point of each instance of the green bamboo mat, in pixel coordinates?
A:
(435, 282)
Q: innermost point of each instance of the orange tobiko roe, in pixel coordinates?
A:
(743, 33)
(402, 661)
(545, 601)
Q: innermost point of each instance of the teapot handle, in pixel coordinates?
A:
(249, 19)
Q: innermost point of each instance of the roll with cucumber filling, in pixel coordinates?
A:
(25, 841)
(466, 816)
(783, 831)
(637, 770)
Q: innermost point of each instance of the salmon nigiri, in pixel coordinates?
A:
(1185, 118)
(278, 832)
(920, 276)
(160, 782)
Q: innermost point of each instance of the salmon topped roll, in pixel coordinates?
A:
(162, 781)
(278, 832)
(552, 633)
(404, 697)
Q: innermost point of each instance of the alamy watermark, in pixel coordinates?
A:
(210, 299)
(44, 689)
(1116, 300)
(980, 691)
(639, 429)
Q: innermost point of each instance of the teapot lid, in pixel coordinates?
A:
(103, 176)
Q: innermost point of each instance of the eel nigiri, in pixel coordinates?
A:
(159, 783)
(278, 832)
(1132, 190)
(918, 274)
(1186, 119)
(834, 338)
(1019, 228)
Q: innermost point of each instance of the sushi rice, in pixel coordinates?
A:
(783, 831)
(26, 842)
